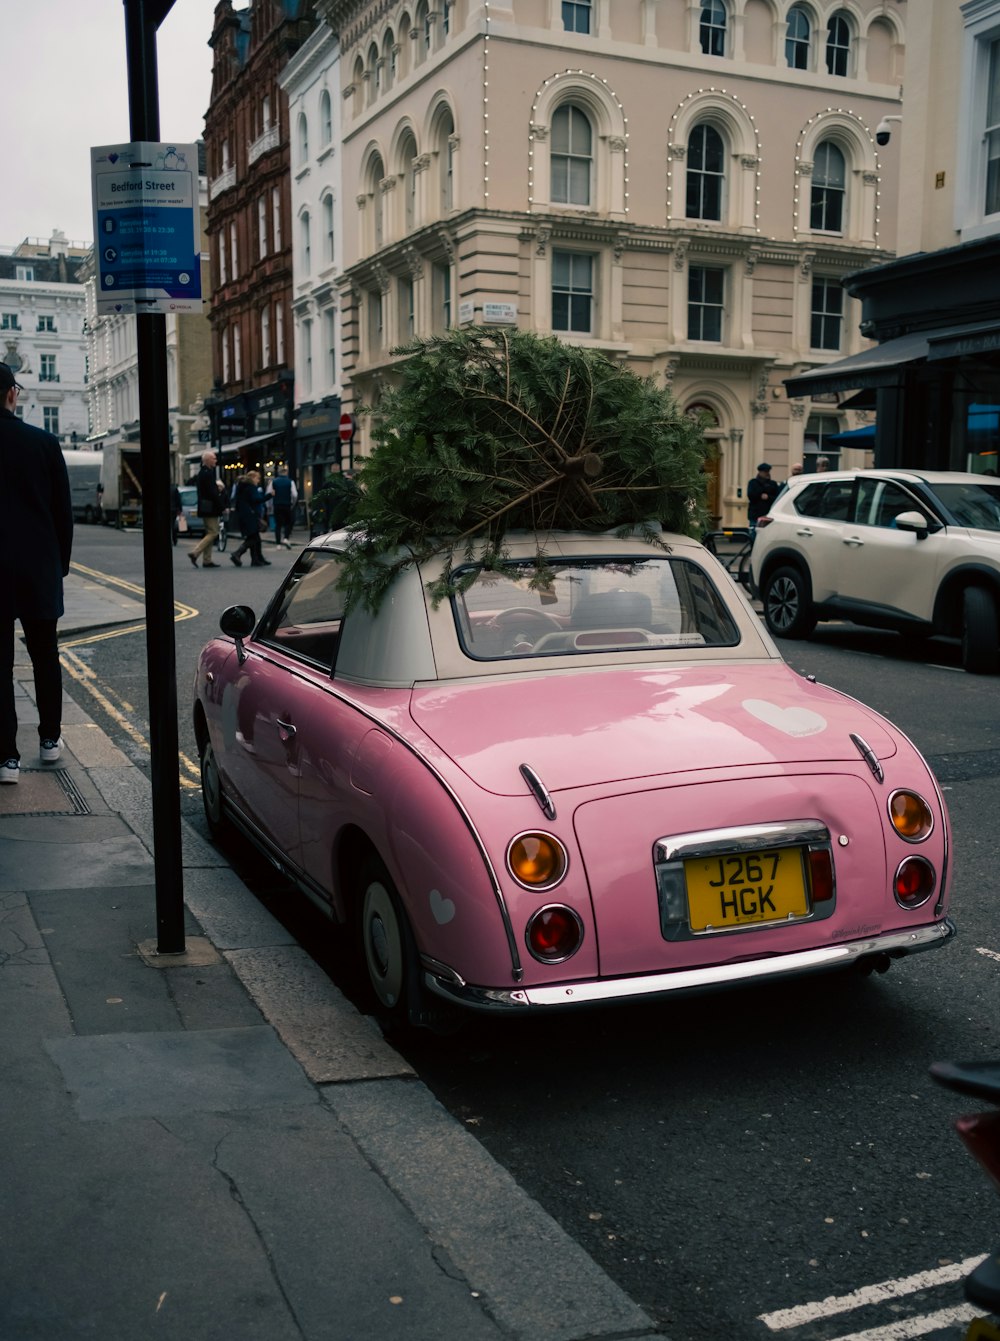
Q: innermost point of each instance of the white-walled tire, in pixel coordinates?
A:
(387, 946)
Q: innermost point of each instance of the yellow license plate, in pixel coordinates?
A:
(981, 1329)
(745, 889)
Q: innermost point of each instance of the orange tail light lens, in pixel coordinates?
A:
(911, 816)
(537, 860)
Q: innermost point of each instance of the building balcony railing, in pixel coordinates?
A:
(6, 325)
(269, 140)
(223, 182)
(48, 377)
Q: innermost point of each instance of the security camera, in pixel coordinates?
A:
(883, 131)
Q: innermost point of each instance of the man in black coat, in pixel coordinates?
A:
(211, 506)
(36, 537)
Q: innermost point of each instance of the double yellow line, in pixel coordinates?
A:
(111, 703)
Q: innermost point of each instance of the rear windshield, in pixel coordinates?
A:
(583, 606)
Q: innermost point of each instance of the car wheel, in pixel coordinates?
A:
(388, 948)
(211, 792)
(788, 609)
(980, 633)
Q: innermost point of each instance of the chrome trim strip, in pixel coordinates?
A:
(869, 756)
(517, 970)
(538, 790)
(893, 943)
(740, 838)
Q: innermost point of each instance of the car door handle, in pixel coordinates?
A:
(804, 530)
(286, 730)
(854, 540)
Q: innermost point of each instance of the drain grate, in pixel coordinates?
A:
(43, 792)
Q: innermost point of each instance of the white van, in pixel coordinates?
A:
(84, 476)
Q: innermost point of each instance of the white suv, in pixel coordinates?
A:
(912, 550)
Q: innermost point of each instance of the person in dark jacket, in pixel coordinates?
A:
(36, 538)
(211, 505)
(285, 495)
(761, 493)
(249, 503)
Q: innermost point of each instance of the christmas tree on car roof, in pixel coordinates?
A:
(492, 430)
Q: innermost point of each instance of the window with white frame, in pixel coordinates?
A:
(279, 333)
(408, 155)
(712, 24)
(828, 189)
(798, 35)
(441, 282)
(571, 160)
(827, 316)
(330, 344)
(265, 112)
(234, 268)
(302, 139)
(307, 357)
(50, 419)
(237, 354)
(226, 361)
(47, 323)
(9, 321)
(991, 136)
(374, 73)
(376, 172)
(305, 242)
(577, 15)
(422, 24)
(325, 118)
(47, 368)
(445, 18)
(406, 310)
(329, 241)
(25, 273)
(261, 226)
(265, 337)
(838, 44)
(376, 334)
(706, 172)
(276, 218)
(706, 298)
(390, 53)
(572, 292)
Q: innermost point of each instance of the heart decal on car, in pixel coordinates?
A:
(442, 909)
(792, 721)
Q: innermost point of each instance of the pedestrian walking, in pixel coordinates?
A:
(249, 513)
(761, 493)
(284, 494)
(211, 505)
(36, 538)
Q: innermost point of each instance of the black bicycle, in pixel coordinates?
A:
(222, 539)
(732, 546)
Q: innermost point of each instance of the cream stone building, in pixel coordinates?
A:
(682, 185)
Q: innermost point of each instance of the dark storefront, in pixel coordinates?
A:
(317, 444)
(253, 430)
(935, 373)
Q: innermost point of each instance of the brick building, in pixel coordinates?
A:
(249, 231)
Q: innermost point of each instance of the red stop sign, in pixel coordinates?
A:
(346, 427)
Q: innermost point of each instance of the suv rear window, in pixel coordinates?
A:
(830, 499)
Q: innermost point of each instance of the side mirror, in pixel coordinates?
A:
(915, 522)
(237, 622)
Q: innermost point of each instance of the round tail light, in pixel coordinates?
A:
(554, 934)
(911, 816)
(914, 882)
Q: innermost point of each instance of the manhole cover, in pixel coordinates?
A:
(49, 791)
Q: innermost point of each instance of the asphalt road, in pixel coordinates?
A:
(731, 1160)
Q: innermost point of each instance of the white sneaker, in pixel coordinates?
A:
(287, 544)
(50, 750)
(10, 771)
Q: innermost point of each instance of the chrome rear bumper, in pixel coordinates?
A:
(893, 944)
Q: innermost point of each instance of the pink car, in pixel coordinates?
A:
(563, 787)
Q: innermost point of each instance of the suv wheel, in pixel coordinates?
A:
(980, 632)
(788, 609)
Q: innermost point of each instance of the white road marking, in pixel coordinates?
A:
(869, 1294)
(990, 954)
(904, 1328)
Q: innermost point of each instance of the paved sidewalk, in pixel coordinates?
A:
(217, 1145)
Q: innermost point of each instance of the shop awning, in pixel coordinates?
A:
(873, 367)
(225, 448)
(853, 437)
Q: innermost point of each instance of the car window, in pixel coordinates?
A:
(582, 606)
(974, 505)
(881, 501)
(305, 618)
(830, 499)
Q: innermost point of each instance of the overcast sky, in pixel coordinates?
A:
(65, 89)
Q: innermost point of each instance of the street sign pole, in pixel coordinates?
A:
(142, 18)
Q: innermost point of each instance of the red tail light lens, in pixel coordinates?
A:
(820, 876)
(914, 882)
(980, 1133)
(763, 521)
(554, 934)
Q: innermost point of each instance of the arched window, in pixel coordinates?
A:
(358, 84)
(374, 73)
(829, 184)
(408, 156)
(302, 138)
(265, 337)
(325, 118)
(797, 35)
(838, 44)
(305, 235)
(712, 27)
(376, 172)
(572, 159)
(445, 18)
(705, 173)
(389, 60)
(328, 234)
(423, 27)
(444, 139)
